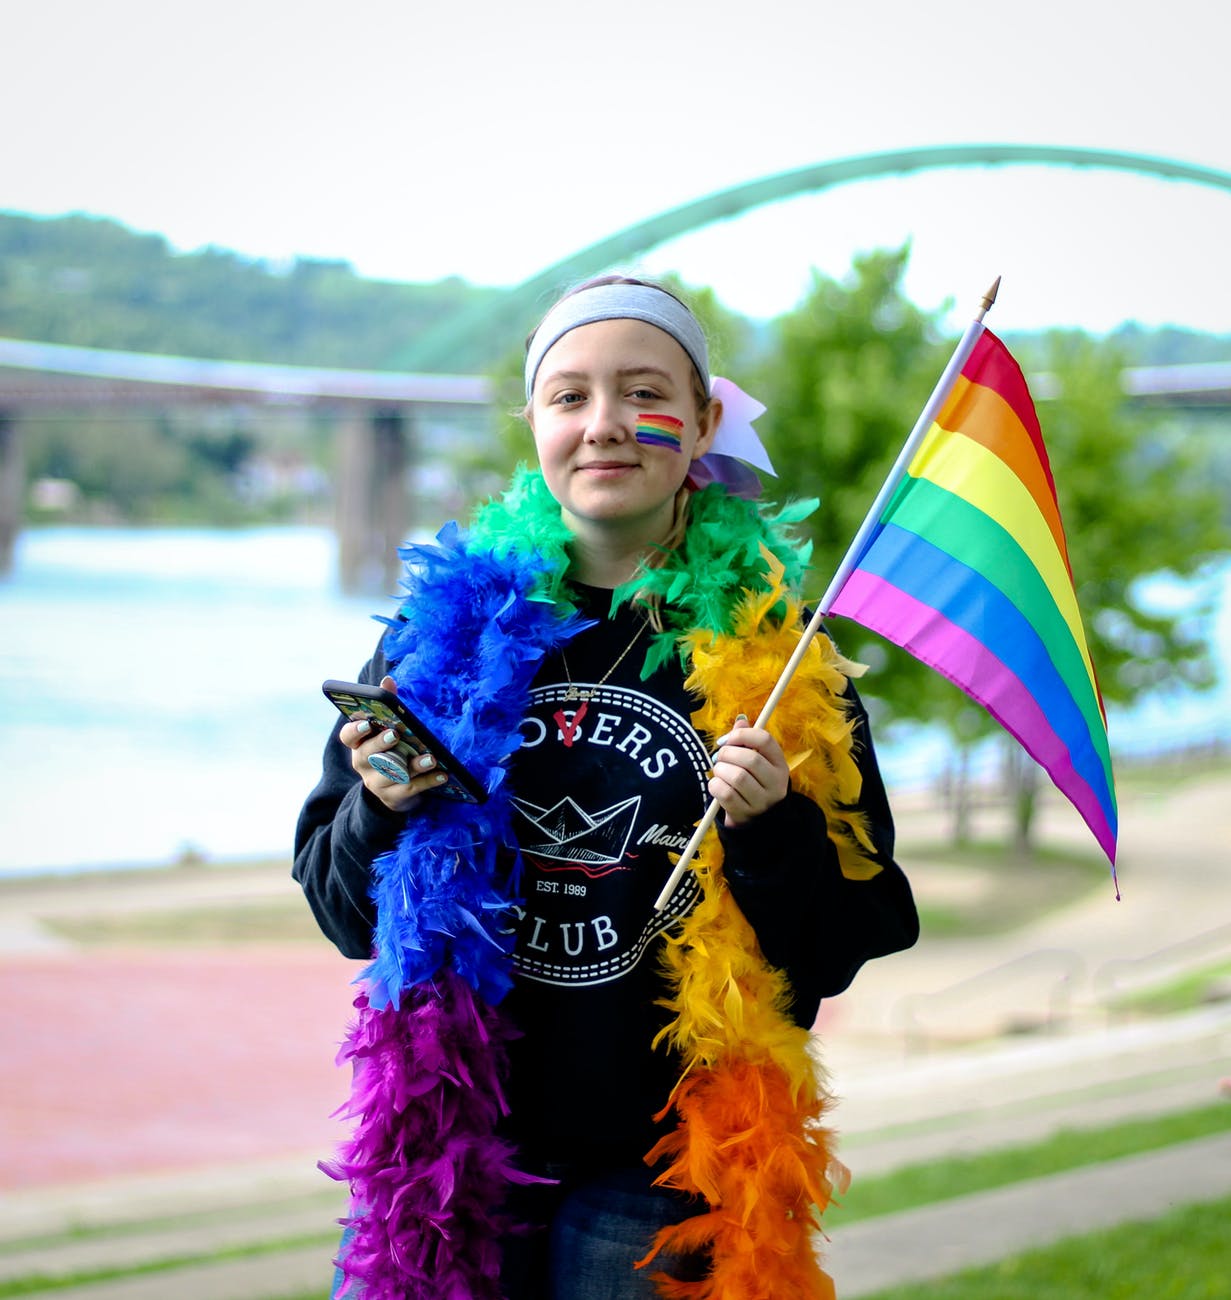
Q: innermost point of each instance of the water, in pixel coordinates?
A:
(160, 692)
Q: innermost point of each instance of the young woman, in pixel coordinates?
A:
(554, 1079)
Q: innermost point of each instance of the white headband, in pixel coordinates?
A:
(619, 302)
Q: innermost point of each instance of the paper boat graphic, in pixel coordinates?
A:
(566, 833)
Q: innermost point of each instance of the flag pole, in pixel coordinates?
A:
(932, 407)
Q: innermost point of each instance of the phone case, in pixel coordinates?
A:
(386, 710)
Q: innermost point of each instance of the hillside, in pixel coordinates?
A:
(93, 282)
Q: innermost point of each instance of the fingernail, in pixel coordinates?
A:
(424, 762)
(363, 727)
(389, 737)
(441, 778)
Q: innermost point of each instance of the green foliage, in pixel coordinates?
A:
(141, 468)
(1137, 499)
(846, 376)
(1139, 346)
(93, 283)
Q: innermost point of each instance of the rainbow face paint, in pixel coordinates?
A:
(660, 431)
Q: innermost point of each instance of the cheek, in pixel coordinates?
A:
(552, 448)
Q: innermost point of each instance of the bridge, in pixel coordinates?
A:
(382, 419)
(383, 415)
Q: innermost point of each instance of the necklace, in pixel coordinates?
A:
(576, 693)
(569, 726)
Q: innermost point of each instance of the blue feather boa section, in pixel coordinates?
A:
(476, 622)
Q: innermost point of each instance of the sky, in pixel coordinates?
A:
(484, 140)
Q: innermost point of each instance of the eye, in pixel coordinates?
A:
(569, 398)
(645, 395)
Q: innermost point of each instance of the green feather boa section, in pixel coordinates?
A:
(696, 586)
(526, 517)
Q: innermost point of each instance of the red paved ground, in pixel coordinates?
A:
(116, 1063)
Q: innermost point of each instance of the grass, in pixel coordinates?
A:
(940, 1180)
(38, 1283)
(1023, 888)
(255, 921)
(1157, 776)
(281, 917)
(1183, 994)
(1180, 1256)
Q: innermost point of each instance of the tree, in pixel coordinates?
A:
(846, 375)
(1138, 498)
(852, 367)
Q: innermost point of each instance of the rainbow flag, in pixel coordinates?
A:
(967, 569)
(660, 431)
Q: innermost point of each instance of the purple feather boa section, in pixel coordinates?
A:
(474, 630)
(423, 1162)
(428, 1046)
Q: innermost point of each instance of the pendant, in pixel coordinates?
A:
(573, 693)
(568, 726)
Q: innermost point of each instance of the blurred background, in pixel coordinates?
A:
(265, 273)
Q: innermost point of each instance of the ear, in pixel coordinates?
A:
(707, 427)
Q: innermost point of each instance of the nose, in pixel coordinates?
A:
(607, 421)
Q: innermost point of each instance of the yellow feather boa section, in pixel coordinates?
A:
(752, 1097)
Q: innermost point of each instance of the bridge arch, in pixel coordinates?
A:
(516, 310)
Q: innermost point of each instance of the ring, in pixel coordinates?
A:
(390, 767)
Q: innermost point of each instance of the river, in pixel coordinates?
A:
(160, 692)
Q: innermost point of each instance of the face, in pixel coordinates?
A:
(594, 387)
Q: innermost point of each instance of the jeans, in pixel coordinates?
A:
(587, 1234)
(584, 1236)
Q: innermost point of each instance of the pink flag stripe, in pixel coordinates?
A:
(965, 661)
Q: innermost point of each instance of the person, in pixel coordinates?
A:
(555, 1080)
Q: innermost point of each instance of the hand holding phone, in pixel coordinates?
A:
(356, 701)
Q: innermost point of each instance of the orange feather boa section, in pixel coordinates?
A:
(752, 1099)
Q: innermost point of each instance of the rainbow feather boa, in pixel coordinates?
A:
(427, 1048)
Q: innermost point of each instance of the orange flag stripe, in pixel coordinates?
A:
(982, 414)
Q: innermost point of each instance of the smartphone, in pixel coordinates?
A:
(356, 701)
